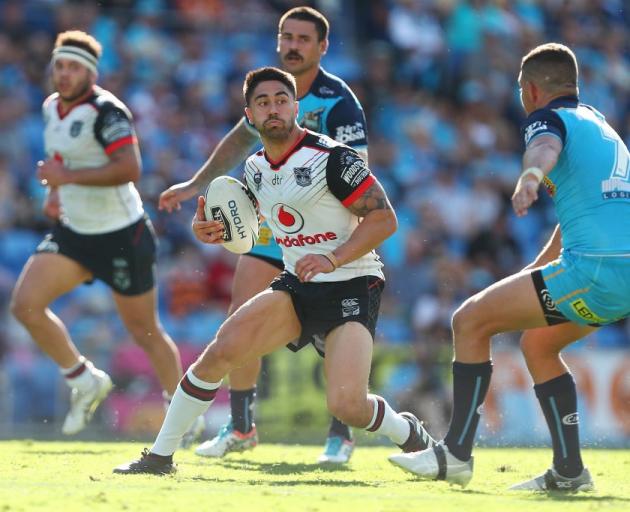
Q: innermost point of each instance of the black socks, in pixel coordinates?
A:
(470, 385)
(558, 400)
(242, 409)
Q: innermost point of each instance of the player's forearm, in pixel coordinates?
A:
(550, 251)
(543, 156)
(109, 175)
(124, 166)
(374, 229)
(233, 149)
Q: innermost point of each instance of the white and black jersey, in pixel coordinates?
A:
(83, 138)
(304, 196)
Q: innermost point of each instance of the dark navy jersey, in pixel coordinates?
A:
(331, 108)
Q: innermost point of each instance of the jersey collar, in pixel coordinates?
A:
(314, 84)
(569, 101)
(86, 99)
(275, 165)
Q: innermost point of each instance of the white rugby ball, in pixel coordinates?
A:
(229, 201)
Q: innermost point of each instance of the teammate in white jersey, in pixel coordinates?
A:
(327, 105)
(329, 294)
(102, 231)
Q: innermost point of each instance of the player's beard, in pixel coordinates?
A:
(82, 91)
(276, 132)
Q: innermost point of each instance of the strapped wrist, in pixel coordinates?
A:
(330, 256)
(535, 171)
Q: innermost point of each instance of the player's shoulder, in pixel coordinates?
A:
(105, 101)
(554, 109)
(327, 85)
(258, 154)
(255, 160)
(321, 142)
(339, 154)
(51, 101)
(549, 119)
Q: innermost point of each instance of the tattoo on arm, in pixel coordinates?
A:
(374, 198)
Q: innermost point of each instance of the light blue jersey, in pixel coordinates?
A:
(331, 108)
(590, 187)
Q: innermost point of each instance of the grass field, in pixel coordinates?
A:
(77, 476)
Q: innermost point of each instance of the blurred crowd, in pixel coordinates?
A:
(437, 79)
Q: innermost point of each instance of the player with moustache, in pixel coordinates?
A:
(329, 213)
(328, 106)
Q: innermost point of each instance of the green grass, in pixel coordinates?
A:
(77, 476)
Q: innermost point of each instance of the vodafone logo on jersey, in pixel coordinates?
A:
(291, 221)
(302, 240)
(286, 218)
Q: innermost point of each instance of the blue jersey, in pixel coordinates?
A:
(590, 183)
(331, 108)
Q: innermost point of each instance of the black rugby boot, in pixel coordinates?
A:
(148, 463)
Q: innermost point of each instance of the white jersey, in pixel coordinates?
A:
(83, 138)
(304, 198)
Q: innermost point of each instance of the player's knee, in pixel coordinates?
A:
(460, 320)
(237, 302)
(533, 349)
(347, 407)
(24, 309)
(467, 322)
(146, 335)
(222, 353)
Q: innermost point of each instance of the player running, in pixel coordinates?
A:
(330, 213)
(327, 106)
(102, 231)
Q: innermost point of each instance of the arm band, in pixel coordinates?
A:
(330, 256)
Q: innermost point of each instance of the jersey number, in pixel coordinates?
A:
(621, 166)
(617, 186)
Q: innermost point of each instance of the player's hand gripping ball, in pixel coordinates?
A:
(228, 201)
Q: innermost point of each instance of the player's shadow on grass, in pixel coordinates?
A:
(560, 496)
(287, 483)
(282, 468)
(546, 496)
(320, 482)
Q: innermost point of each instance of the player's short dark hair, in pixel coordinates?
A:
(267, 74)
(551, 66)
(307, 14)
(81, 40)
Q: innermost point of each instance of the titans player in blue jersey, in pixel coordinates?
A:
(581, 279)
(327, 105)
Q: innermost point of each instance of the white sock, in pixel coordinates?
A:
(80, 375)
(167, 397)
(192, 397)
(388, 422)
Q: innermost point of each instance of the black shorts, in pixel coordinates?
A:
(279, 264)
(124, 259)
(320, 307)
